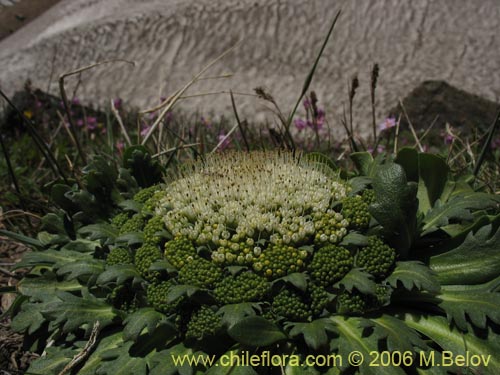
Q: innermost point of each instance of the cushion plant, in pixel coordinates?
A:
(273, 252)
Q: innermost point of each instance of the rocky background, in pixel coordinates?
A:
(171, 40)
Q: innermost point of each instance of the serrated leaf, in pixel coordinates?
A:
(52, 363)
(51, 257)
(358, 184)
(256, 331)
(475, 261)
(232, 314)
(103, 231)
(351, 338)
(437, 328)
(90, 268)
(177, 291)
(297, 279)
(119, 274)
(130, 205)
(29, 319)
(72, 312)
(105, 344)
(459, 208)
(82, 246)
(147, 318)
(132, 238)
(395, 206)
(476, 305)
(314, 333)
(44, 288)
(363, 162)
(414, 274)
(359, 279)
(118, 361)
(398, 336)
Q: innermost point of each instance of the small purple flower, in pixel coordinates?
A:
(225, 141)
(448, 139)
(117, 103)
(120, 145)
(320, 119)
(91, 123)
(145, 130)
(75, 101)
(388, 123)
(80, 122)
(300, 124)
(307, 103)
(38, 104)
(380, 149)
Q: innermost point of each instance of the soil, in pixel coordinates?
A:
(21, 13)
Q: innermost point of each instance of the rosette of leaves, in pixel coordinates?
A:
(422, 275)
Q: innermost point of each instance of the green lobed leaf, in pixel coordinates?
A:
(145, 317)
(102, 231)
(478, 306)
(44, 288)
(119, 274)
(354, 239)
(90, 268)
(53, 362)
(351, 338)
(297, 279)
(51, 257)
(177, 291)
(414, 274)
(475, 261)
(437, 328)
(398, 336)
(256, 331)
(359, 279)
(118, 361)
(458, 207)
(234, 313)
(72, 312)
(105, 343)
(314, 332)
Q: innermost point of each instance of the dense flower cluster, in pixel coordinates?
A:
(231, 198)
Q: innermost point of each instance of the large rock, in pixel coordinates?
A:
(171, 40)
(438, 103)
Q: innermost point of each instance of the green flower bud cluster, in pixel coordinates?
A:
(204, 323)
(200, 272)
(290, 305)
(179, 252)
(119, 255)
(377, 258)
(319, 298)
(144, 194)
(245, 287)
(134, 224)
(330, 227)
(153, 226)
(280, 260)
(145, 256)
(119, 220)
(157, 297)
(351, 303)
(368, 196)
(330, 264)
(355, 210)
